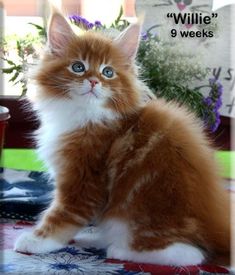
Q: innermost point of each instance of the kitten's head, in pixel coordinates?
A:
(92, 70)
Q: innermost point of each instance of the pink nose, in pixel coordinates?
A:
(93, 82)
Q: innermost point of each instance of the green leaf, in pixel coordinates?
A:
(10, 62)
(24, 90)
(8, 70)
(14, 77)
(18, 46)
(36, 26)
(41, 29)
(117, 20)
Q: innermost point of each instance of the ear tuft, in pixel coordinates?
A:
(59, 33)
(128, 40)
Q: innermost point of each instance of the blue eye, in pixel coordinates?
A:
(78, 67)
(108, 72)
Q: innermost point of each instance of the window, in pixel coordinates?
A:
(17, 16)
(14, 27)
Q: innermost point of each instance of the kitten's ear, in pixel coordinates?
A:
(59, 33)
(128, 40)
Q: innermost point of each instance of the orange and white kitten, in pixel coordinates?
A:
(144, 173)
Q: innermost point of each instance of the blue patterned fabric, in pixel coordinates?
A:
(69, 260)
(24, 194)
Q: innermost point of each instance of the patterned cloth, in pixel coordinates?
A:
(76, 260)
(23, 195)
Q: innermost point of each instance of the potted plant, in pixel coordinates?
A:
(19, 53)
(167, 70)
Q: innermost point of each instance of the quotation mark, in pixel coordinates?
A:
(171, 15)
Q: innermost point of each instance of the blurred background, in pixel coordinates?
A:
(197, 72)
(15, 17)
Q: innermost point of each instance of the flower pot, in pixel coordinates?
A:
(4, 116)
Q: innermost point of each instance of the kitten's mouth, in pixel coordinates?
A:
(90, 92)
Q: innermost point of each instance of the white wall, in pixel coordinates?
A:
(215, 52)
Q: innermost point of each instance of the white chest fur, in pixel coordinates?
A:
(59, 117)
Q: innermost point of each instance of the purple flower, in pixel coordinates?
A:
(79, 20)
(90, 25)
(213, 103)
(208, 101)
(212, 81)
(144, 36)
(98, 24)
(218, 104)
(217, 87)
(84, 21)
(75, 18)
(220, 88)
(216, 124)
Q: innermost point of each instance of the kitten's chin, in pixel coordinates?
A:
(87, 99)
(90, 93)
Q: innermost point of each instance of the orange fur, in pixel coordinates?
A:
(152, 168)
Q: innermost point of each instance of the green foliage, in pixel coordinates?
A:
(41, 30)
(169, 71)
(167, 68)
(120, 23)
(24, 51)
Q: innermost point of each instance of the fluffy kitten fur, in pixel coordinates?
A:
(144, 173)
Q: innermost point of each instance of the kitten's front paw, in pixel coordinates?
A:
(30, 243)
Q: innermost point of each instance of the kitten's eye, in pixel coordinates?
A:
(78, 67)
(108, 72)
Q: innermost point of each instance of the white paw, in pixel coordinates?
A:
(114, 252)
(177, 254)
(30, 243)
(90, 239)
(181, 254)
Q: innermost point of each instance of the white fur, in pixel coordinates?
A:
(90, 239)
(177, 254)
(115, 232)
(118, 238)
(112, 232)
(115, 236)
(30, 243)
(60, 116)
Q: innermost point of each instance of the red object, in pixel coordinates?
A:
(4, 116)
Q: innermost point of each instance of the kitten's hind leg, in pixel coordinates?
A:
(56, 229)
(90, 237)
(177, 254)
(119, 238)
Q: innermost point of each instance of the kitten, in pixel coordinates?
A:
(144, 173)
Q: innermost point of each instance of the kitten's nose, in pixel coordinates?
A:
(93, 82)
